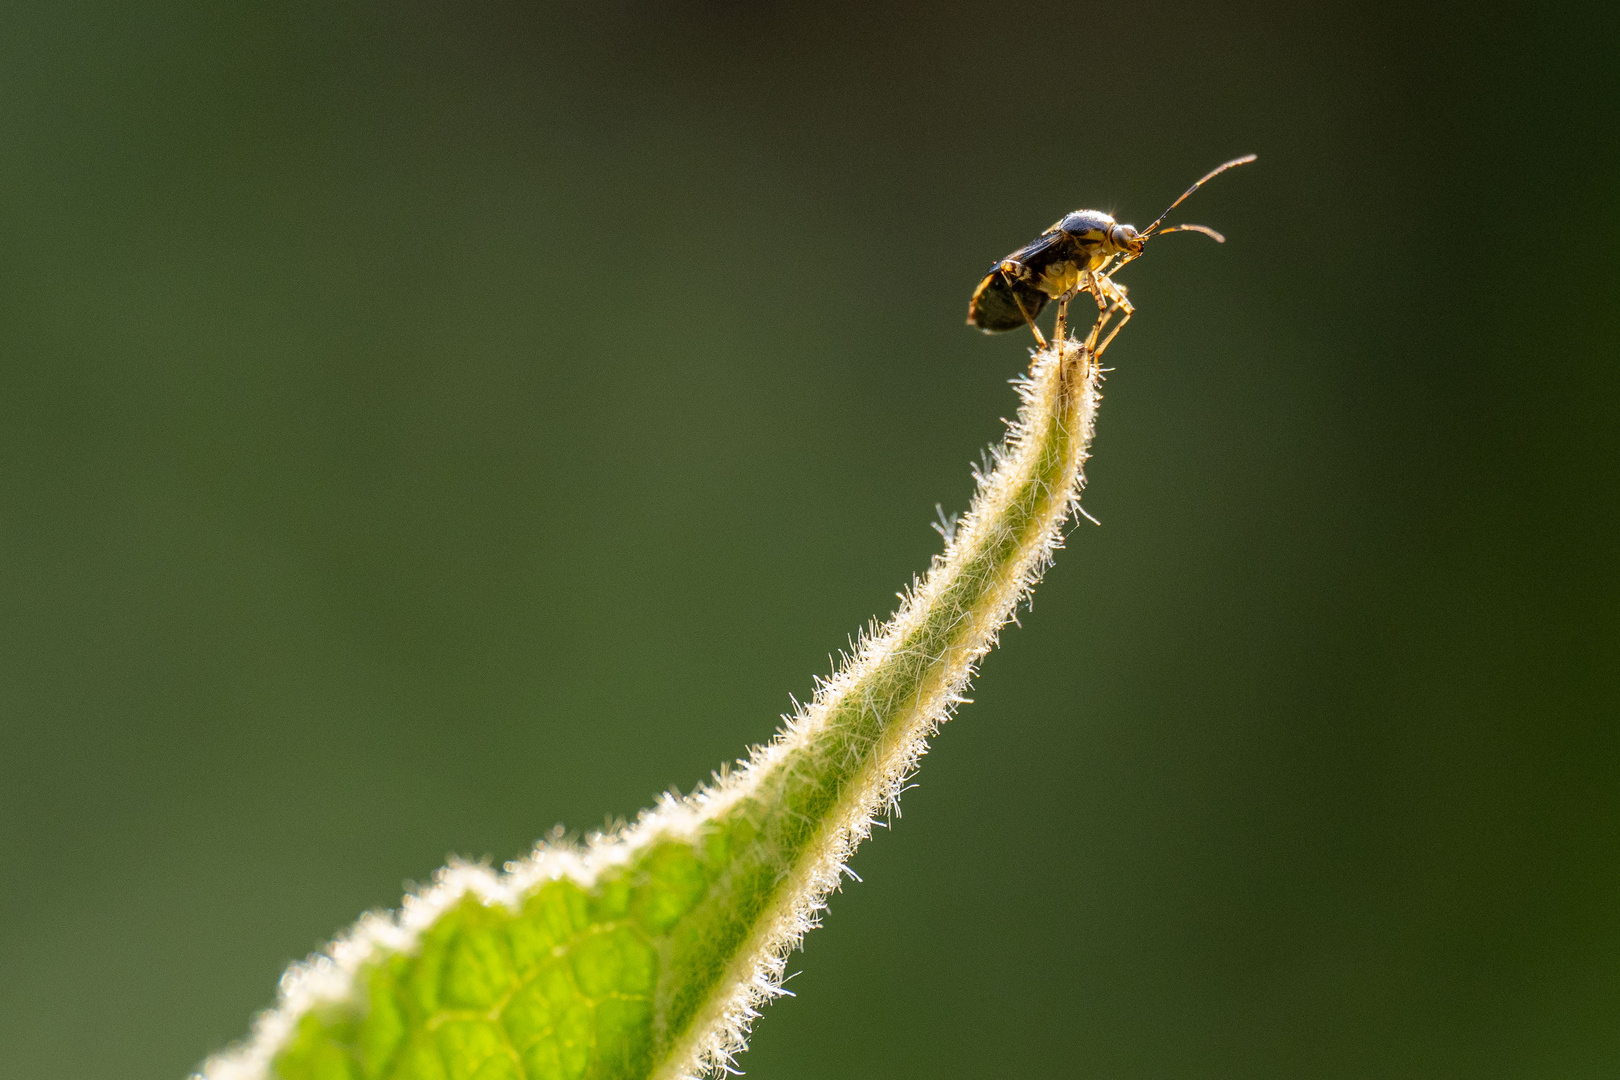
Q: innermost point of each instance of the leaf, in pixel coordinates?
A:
(646, 952)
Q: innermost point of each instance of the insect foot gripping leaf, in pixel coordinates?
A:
(645, 953)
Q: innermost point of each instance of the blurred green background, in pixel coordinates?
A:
(421, 424)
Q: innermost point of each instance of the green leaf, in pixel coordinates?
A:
(646, 953)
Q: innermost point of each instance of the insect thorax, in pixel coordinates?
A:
(1059, 278)
(1086, 222)
(1084, 246)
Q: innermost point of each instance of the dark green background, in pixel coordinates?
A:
(421, 424)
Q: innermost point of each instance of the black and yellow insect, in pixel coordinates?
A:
(1079, 253)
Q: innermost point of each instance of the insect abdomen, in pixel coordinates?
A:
(994, 307)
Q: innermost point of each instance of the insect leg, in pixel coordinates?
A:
(1022, 310)
(1096, 328)
(1097, 289)
(1121, 303)
(1113, 294)
(1063, 312)
(1109, 339)
(1094, 285)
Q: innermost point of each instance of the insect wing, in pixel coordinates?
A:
(995, 306)
(1038, 251)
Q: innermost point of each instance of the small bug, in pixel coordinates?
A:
(1080, 252)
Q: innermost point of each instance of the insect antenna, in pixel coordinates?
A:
(1207, 177)
(1205, 229)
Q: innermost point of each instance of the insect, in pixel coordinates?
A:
(1081, 252)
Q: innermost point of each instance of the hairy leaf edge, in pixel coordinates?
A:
(1059, 399)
